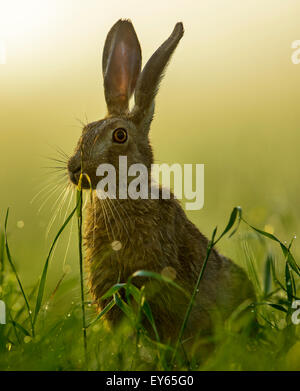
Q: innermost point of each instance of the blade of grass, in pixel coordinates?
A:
(157, 276)
(79, 223)
(16, 273)
(2, 249)
(251, 267)
(114, 289)
(14, 327)
(288, 284)
(237, 211)
(276, 280)
(128, 311)
(107, 308)
(42, 283)
(273, 305)
(191, 303)
(57, 286)
(23, 308)
(286, 250)
(268, 275)
(20, 327)
(136, 294)
(277, 307)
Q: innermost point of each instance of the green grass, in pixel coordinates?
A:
(48, 331)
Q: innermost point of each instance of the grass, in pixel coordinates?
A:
(56, 337)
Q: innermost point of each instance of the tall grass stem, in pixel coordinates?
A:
(79, 221)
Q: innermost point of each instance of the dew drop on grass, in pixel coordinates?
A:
(27, 339)
(20, 224)
(116, 245)
(145, 354)
(169, 272)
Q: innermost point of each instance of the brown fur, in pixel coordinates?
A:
(155, 235)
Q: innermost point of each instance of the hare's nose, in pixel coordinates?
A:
(74, 165)
(75, 175)
(74, 168)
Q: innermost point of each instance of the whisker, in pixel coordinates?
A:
(124, 212)
(118, 227)
(51, 193)
(81, 122)
(69, 239)
(51, 176)
(60, 195)
(62, 152)
(60, 201)
(54, 159)
(85, 201)
(62, 198)
(56, 168)
(106, 201)
(49, 183)
(59, 158)
(59, 150)
(94, 220)
(68, 207)
(105, 219)
(41, 191)
(110, 202)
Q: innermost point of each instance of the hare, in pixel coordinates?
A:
(126, 235)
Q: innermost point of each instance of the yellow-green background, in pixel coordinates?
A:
(230, 100)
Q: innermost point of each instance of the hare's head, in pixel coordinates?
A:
(123, 132)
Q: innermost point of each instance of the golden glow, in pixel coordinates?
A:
(230, 98)
(21, 18)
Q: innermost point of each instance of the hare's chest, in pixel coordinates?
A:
(112, 260)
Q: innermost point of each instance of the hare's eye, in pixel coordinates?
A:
(120, 135)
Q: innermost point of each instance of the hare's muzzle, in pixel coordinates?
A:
(74, 172)
(74, 175)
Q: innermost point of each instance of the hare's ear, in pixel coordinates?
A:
(121, 66)
(148, 81)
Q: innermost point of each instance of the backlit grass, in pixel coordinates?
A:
(46, 331)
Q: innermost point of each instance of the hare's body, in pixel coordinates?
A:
(126, 235)
(155, 235)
